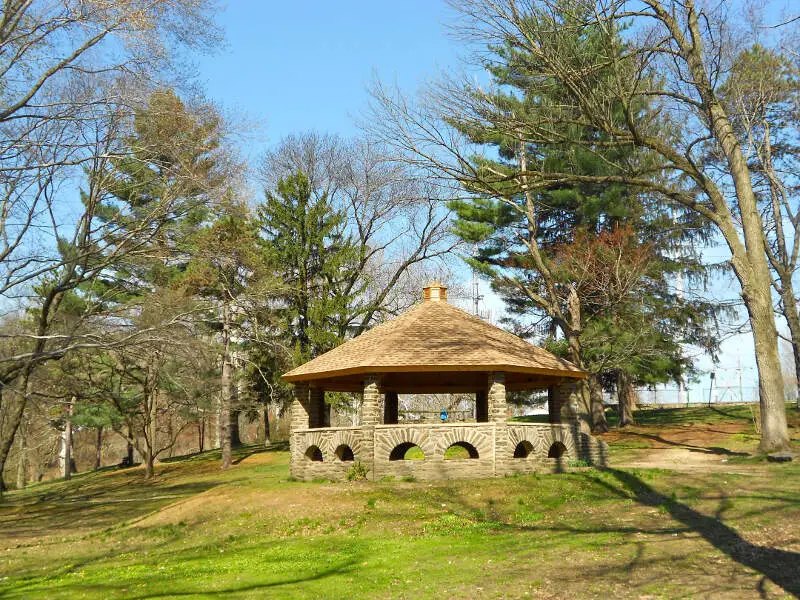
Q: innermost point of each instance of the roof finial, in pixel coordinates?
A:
(434, 292)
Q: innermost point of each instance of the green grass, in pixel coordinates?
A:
(701, 414)
(695, 414)
(456, 453)
(251, 532)
(414, 453)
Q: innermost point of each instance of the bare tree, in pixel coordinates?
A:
(762, 97)
(397, 218)
(650, 81)
(72, 73)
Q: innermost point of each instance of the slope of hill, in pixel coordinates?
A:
(197, 532)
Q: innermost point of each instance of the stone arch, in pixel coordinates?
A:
(399, 451)
(471, 450)
(527, 441)
(351, 439)
(476, 437)
(524, 449)
(386, 440)
(556, 450)
(560, 437)
(344, 453)
(313, 453)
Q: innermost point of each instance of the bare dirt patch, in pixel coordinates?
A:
(700, 446)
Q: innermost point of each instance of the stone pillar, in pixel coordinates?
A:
(498, 409)
(317, 410)
(371, 402)
(568, 400)
(481, 406)
(498, 416)
(370, 411)
(299, 420)
(390, 408)
(300, 407)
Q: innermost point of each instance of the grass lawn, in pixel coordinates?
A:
(196, 532)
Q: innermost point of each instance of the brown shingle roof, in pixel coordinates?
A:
(434, 336)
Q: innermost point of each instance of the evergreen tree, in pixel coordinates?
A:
(231, 268)
(164, 188)
(592, 259)
(315, 259)
(166, 180)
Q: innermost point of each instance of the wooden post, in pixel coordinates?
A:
(390, 408)
(481, 406)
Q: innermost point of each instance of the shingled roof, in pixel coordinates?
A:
(434, 336)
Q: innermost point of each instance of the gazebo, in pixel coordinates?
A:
(435, 348)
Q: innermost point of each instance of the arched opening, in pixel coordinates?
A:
(557, 450)
(523, 449)
(461, 450)
(345, 453)
(407, 451)
(314, 453)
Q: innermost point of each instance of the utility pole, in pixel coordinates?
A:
(712, 376)
(739, 369)
(476, 297)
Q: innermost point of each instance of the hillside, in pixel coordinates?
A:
(731, 530)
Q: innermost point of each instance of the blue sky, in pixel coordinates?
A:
(296, 66)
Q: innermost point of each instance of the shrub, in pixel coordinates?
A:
(357, 472)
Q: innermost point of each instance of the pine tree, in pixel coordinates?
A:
(231, 268)
(315, 258)
(167, 181)
(553, 252)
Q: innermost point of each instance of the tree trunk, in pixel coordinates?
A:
(750, 263)
(129, 454)
(225, 395)
(22, 461)
(267, 441)
(170, 435)
(599, 424)
(14, 409)
(67, 441)
(149, 465)
(152, 435)
(626, 397)
(774, 430)
(151, 424)
(792, 317)
(98, 449)
(201, 432)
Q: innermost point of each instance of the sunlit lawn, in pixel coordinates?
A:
(196, 532)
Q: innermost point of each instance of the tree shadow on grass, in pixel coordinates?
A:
(691, 447)
(181, 588)
(92, 510)
(782, 567)
(346, 567)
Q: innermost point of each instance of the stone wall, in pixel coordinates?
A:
(500, 448)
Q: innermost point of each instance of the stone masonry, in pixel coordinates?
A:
(526, 448)
(496, 446)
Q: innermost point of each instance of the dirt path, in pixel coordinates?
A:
(684, 459)
(696, 447)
